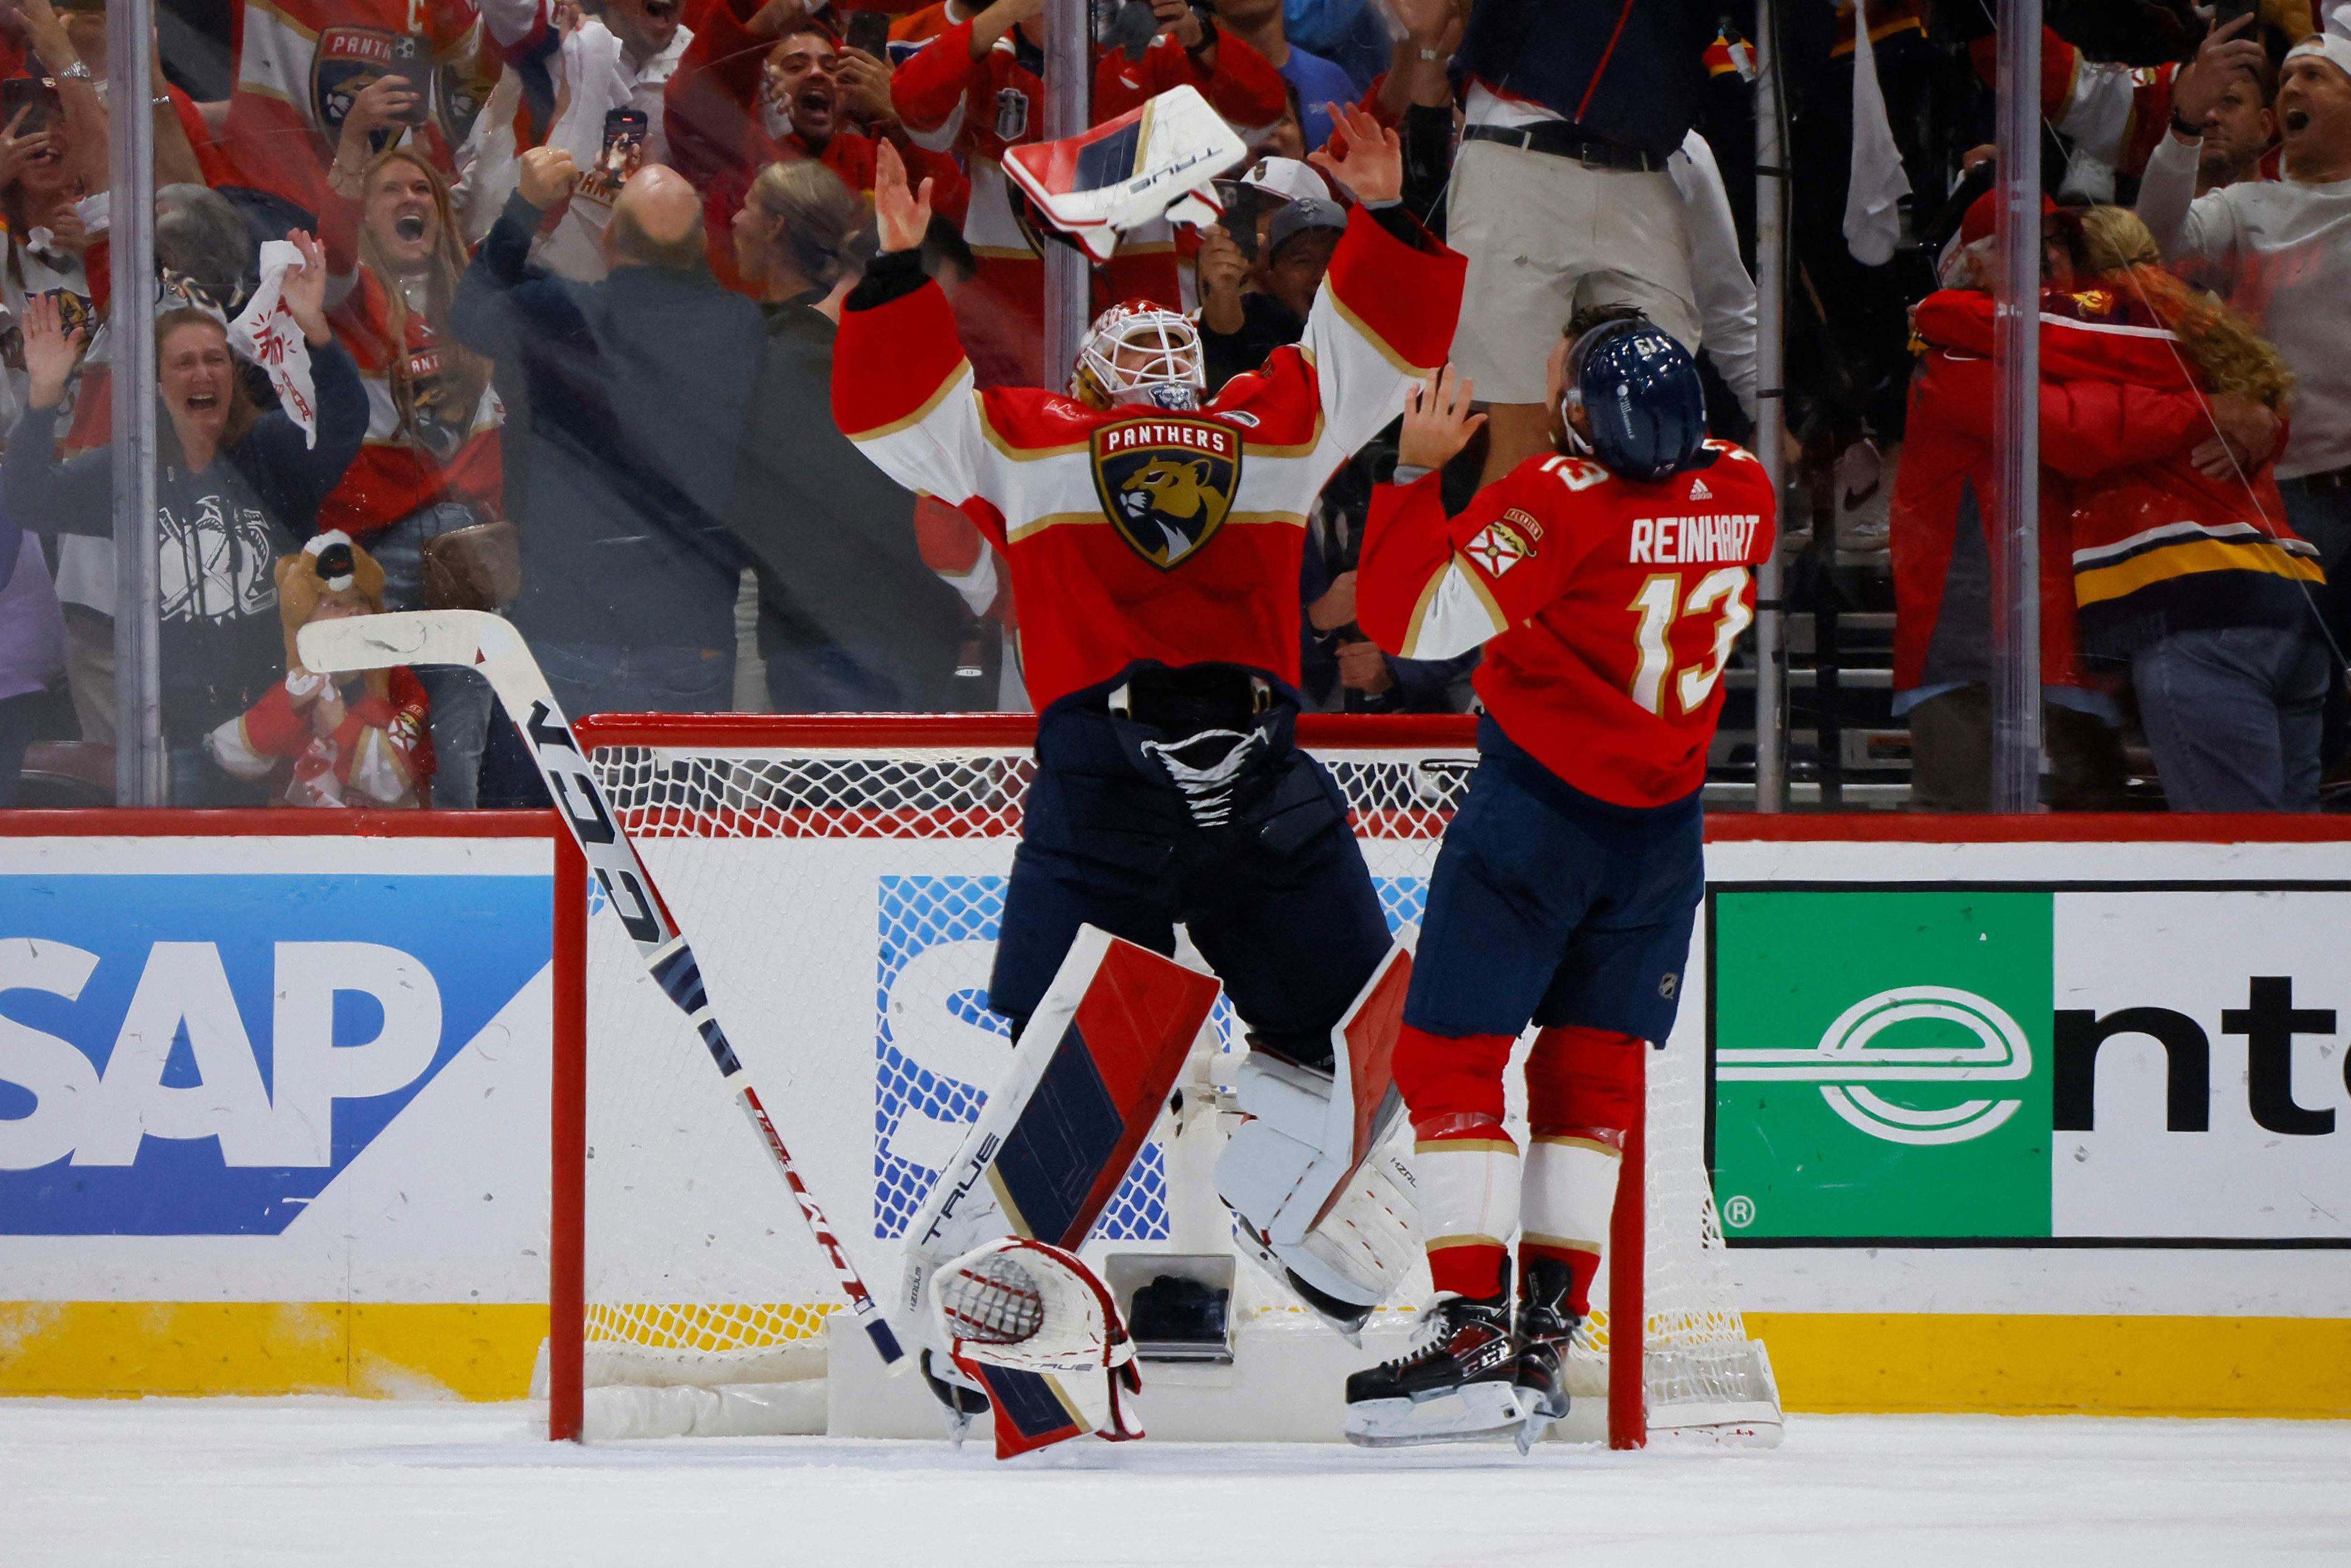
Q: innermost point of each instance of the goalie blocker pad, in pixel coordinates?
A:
(1089, 1077)
(1157, 159)
(1322, 1205)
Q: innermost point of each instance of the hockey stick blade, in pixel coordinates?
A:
(483, 641)
(470, 637)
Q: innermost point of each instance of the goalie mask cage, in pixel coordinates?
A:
(840, 878)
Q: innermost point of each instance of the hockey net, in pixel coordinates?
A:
(841, 880)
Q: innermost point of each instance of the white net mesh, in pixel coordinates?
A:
(844, 901)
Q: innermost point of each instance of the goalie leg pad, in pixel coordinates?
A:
(1087, 1079)
(1306, 1174)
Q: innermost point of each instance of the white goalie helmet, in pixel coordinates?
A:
(1140, 353)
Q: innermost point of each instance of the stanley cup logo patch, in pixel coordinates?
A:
(1166, 483)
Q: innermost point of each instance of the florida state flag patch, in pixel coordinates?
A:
(1166, 483)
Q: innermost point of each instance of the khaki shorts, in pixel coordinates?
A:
(1546, 236)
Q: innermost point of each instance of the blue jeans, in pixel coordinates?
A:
(2322, 514)
(460, 698)
(2233, 716)
(597, 677)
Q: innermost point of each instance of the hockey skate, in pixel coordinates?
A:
(1456, 1385)
(1545, 1326)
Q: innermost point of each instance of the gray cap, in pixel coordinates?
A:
(1306, 213)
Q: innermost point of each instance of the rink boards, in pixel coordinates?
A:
(2017, 1123)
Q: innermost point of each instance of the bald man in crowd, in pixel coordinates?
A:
(636, 388)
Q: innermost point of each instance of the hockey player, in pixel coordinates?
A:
(1609, 581)
(1153, 542)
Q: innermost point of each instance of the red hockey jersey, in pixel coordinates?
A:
(1133, 534)
(299, 64)
(1610, 607)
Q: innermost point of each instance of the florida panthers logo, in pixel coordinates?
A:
(347, 62)
(1166, 484)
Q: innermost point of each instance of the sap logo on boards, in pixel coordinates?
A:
(939, 1048)
(202, 1055)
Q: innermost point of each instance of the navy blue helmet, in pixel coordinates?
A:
(1642, 392)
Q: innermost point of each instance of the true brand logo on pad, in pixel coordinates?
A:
(202, 1055)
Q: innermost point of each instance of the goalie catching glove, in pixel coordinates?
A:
(1032, 1310)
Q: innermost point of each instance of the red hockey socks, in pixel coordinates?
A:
(1468, 1166)
(1580, 1100)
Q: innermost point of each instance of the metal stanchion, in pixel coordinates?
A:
(1069, 109)
(138, 669)
(2016, 419)
(1771, 404)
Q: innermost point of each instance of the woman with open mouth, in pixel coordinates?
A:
(431, 465)
(234, 489)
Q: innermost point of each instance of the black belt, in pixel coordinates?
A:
(2325, 480)
(1564, 139)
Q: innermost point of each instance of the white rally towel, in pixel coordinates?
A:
(266, 335)
(1873, 226)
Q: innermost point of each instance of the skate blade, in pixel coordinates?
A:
(1537, 1423)
(1476, 1414)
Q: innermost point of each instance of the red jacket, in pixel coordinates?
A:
(2157, 547)
(1943, 493)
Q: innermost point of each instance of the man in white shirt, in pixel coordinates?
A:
(619, 56)
(2282, 249)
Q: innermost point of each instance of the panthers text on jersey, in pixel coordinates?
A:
(1608, 608)
(1136, 533)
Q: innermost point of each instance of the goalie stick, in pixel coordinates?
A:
(475, 640)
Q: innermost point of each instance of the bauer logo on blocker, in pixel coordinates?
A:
(1879, 1042)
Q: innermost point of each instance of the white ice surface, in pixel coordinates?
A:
(347, 1482)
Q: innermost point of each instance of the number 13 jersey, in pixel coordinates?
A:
(1609, 608)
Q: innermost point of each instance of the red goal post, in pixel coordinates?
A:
(768, 837)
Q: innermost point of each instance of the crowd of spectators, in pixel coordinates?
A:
(579, 263)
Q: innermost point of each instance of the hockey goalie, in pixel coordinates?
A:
(1154, 542)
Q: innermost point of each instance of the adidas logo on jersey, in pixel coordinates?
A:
(1699, 492)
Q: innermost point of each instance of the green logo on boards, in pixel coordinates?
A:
(1882, 1062)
